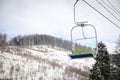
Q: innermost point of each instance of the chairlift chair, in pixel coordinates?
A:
(87, 52)
(82, 53)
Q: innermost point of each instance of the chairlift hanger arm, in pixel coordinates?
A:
(76, 2)
(74, 11)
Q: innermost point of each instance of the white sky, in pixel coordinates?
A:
(55, 17)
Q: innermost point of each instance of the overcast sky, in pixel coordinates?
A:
(55, 17)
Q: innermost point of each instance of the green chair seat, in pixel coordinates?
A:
(84, 51)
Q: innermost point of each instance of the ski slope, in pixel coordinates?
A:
(42, 63)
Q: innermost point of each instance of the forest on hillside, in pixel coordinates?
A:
(38, 39)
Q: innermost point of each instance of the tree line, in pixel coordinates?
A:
(42, 39)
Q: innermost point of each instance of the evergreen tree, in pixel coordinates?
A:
(101, 69)
(96, 74)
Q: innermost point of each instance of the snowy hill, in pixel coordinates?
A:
(42, 63)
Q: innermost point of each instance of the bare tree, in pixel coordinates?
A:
(42, 39)
(2, 41)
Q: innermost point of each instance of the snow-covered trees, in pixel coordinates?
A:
(101, 69)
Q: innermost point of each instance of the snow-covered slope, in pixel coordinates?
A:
(42, 63)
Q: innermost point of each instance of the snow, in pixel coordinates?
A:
(41, 63)
(62, 56)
